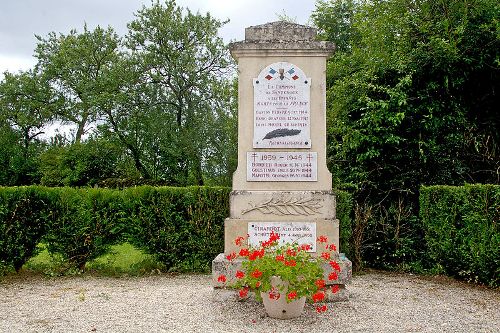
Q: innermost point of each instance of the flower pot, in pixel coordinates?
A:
(277, 306)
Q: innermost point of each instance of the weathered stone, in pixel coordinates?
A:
(300, 205)
(282, 182)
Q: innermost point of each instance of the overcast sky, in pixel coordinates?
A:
(21, 20)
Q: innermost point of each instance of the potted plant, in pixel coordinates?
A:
(283, 276)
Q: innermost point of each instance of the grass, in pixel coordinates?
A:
(123, 259)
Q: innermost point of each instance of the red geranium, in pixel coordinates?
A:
(256, 274)
(290, 263)
(318, 297)
(334, 265)
(325, 255)
(305, 247)
(244, 252)
(320, 309)
(335, 288)
(240, 274)
(243, 292)
(231, 256)
(222, 278)
(333, 276)
(322, 239)
(280, 257)
(320, 284)
(274, 237)
(331, 247)
(239, 241)
(292, 295)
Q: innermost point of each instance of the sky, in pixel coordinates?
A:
(21, 20)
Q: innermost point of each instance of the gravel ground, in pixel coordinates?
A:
(379, 302)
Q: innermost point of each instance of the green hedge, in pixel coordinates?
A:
(461, 230)
(344, 212)
(24, 216)
(86, 222)
(182, 227)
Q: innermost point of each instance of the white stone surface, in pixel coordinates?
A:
(289, 232)
(282, 107)
(271, 166)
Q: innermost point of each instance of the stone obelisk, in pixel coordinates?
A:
(282, 183)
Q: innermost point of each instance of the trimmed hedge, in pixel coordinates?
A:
(182, 227)
(24, 216)
(461, 230)
(86, 223)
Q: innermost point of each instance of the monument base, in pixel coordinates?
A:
(222, 266)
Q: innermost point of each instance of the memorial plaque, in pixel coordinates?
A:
(282, 107)
(282, 167)
(290, 232)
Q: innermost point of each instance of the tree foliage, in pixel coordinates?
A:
(77, 66)
(411, 95)
(161, 99)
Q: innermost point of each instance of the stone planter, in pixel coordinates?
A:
(277, 305)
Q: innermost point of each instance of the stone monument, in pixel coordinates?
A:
(282, 183)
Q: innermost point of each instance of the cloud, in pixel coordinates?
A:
(21, 20)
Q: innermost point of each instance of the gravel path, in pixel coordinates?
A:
(379, 302)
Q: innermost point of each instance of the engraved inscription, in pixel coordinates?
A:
(282, 107)
(282, 166)
(290, 232)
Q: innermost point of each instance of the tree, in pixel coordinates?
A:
(77, 65)
(26, 107)
(411, 101)
(183, 67)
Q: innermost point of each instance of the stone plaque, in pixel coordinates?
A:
(290, 232)
(282, 107)
(282, 167)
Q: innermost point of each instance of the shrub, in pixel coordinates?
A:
(24, 213)
(182, 227)
(461, 230)
(344, 214)
(86, 223)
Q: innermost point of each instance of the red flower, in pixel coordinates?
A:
(318, 297)
(322, 239)
(291, 253)
(222, 278)
(292, 295)
(256, 274)
(256, 254)
(334, 265)
(320, 309)
(331, 247)
(244, 252)
(240, 274)
(280, 257)
(335, 288)
(305, 247)
(274, 237)
(231, 256)
(244, 292)
(257, 285)
(290, 263)
(325, 255)
(333, 276)
(266, 244)
(239, 241)
(320, 284)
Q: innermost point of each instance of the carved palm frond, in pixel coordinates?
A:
(287, 206)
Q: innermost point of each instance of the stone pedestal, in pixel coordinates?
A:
(282, 182)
